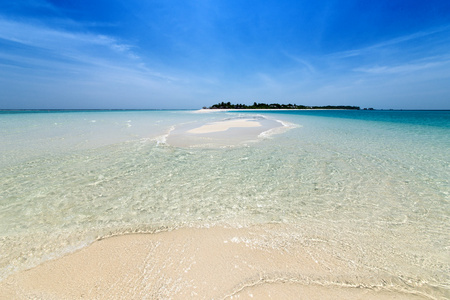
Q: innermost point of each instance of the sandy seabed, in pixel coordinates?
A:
(208, 263)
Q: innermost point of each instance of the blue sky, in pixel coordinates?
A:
(189, 54)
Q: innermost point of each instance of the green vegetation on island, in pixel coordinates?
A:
(255, 105)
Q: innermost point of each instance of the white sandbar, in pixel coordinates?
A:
(228, 132)
(225, 125)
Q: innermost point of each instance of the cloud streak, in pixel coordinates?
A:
(58, 40)
(406, 68)
(390, 43)
(301, 62)
(71, 51)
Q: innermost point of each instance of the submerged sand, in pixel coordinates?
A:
(213, 263)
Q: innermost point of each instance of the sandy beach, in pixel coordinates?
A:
(189, 263)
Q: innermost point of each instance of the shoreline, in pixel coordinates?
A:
(214, 263)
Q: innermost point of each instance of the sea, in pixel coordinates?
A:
(370, 188)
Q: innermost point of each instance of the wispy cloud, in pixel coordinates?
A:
(406, 68)
(58, 40)
(81, 68)
(301, 61)
(114, 45)
(390, 42)
(72, 50)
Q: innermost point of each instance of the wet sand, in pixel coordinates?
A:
(212, 263)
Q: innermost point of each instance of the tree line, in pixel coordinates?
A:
(228, 105)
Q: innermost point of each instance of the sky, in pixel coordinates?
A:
(168, 54)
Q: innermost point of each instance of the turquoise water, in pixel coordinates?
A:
(369, 187)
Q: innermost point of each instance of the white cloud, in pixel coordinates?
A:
(78, 69)
(405, 68)
(301, 61)
(66, 51)
(389, 43)
(58, 40)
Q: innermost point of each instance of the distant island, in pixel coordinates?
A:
(255, 105)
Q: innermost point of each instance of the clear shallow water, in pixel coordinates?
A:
(370, 188)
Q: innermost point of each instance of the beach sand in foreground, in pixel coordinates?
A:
(212, 263)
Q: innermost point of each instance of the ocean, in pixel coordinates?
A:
(368, 188)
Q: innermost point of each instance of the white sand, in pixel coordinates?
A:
(225, 125)
(230, 132)
(214, 263)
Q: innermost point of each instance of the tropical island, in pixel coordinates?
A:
(228, 105)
